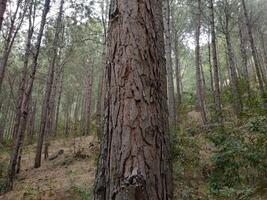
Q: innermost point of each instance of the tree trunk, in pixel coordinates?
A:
(88, 99)
(168, 47)
(2, 11)
(55, 129)
(244, 57)
(10, 39)
(49, 86)
(255, 56)
(199, 81)
(31, 128)
(232, 66)
(25, 102)
(217, 93)
(135, 157)
(177, 70)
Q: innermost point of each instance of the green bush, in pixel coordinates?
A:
(240, 161)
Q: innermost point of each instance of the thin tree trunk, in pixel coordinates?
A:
(232, 66)
(49, 86)
(244, 60)
(171, 97)
(25, 102)
(177, 70)
(135, 160)
(59, 102)
(199, 82)
(254, 54)
(12, 33)
(217, 93)
(88, 99)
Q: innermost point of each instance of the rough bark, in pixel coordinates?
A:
(199, 80)
(217, 92)
(25, 102)
(48, 91)
(168, 47)
(255, 56)
(2, 11)
(135, 161)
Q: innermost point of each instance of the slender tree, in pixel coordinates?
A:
(199, 79)
(231, 60)
(49, 86)
(254, 54)
(25, 102)
(217, 92)
(168, 48)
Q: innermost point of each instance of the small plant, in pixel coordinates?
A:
(83, 193)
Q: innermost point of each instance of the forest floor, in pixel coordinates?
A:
(68, 177)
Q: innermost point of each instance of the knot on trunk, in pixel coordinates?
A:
(132, 188)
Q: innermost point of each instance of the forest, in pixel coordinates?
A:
(133, 100)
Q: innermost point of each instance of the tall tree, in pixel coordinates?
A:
(168, 48)
(217, 92)
(15, 25)
(25, 102)
(254, 54)
(237, 103)
(199, 76)
(49, 87)
(88, 99)
(135, 161)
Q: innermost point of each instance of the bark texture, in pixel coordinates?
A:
(135, 161)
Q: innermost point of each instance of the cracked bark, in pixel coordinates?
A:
(135, 161)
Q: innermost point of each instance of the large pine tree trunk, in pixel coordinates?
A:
(217, 93)
(254, 54)
(2, 11)
(135, 161)
(199, 80)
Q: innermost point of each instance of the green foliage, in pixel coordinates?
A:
(3, 171)
(82, 193)
(239, 163)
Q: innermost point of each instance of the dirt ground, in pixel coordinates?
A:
(67, 177)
